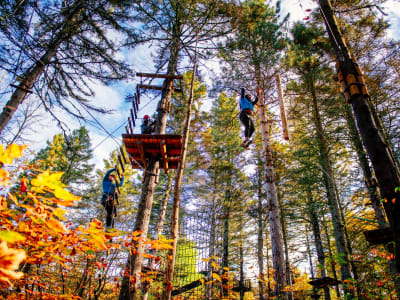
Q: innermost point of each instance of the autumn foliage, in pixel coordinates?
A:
(42, 256)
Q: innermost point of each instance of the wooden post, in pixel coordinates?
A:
(282, 108)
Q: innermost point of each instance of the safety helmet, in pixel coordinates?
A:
(146, 117)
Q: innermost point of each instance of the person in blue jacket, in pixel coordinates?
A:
(246, 117)
(107, 199)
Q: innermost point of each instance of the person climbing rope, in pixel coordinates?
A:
(108, 197)
(246, 116)
(148, 125)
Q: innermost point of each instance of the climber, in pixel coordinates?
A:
(148, 125)
(108, 197)
(246, 116)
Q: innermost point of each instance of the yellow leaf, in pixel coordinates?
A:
(59, 213)
(216, 277)
(3, 176)
(12, 151)
(98, 241)
(65, 195)
(11, 236)
(55, 225)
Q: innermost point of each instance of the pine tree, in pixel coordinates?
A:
(57, 51)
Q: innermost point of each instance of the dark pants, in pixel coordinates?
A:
(108, 202)
(247, 121)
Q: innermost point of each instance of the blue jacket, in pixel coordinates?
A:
(108, 185)
(245, 103)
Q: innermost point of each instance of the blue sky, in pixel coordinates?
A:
(112, 97)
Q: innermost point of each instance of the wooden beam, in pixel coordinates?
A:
(141, 152)
(282, 108)
(159, 76)
(164, 158)
(154, 87)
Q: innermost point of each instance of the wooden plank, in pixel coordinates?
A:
(130, 124)
(141, 152)
(282, 109)
(127, 129)
(164, 158)
(168, 76)
(121, 164)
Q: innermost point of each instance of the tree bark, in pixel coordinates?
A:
(260, 239)
(177, 191)
(330, 185)
(312, 212)
(131, 280)
(369, 180)
(384, 166)
(273, 207)
(157, 231)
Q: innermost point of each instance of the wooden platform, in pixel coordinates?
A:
(165, 147)
(379, 236)
(323, 282)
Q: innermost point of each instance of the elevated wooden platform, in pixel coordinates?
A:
(164, 147)
(323, 282)
(379, 236)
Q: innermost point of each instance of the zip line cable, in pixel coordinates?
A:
(107, 137)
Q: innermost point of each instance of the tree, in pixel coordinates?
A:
(60, 50)
(252, 55)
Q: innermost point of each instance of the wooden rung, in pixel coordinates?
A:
(134, 117)
(130, 124)
(121, 164)
(141, 152)
(124, 155)
(118, 172)
(137, 95)
(164, 158)
(135, 110)
(159, 76)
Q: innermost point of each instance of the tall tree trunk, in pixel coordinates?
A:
(131, 280)
(212, 243)
(330, 185)
(312, 211)
(225, 248)
(171, 257)
(369, 180)
(383, 163)
(287, 262)
(31, 75)
(273, 207)
(260, 240)
(241, 262)
(157, 231)
(331, 258)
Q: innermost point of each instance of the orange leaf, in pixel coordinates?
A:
(9, 261)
